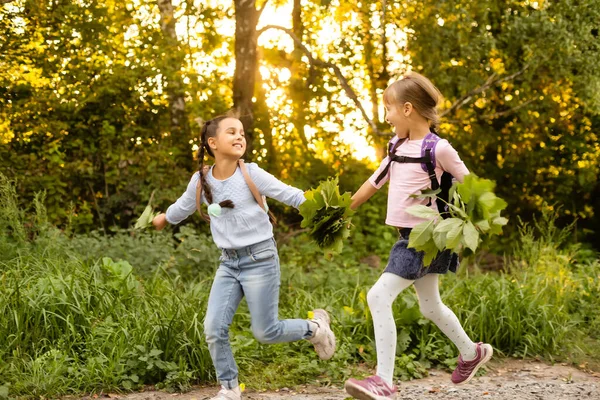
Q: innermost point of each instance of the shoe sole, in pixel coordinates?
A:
(219, 398)
(489, 350)
(362, 394)
(332, 343)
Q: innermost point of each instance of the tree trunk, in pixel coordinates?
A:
(298, 89)
(369, 58)
(246, 19)
(376, 65)
(175, 58)
(384, 75)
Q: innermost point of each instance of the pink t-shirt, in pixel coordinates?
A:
(407, 178)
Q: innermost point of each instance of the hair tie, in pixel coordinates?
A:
(214, 210)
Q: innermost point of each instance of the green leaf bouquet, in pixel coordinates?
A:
(474, 213)
(327, 215)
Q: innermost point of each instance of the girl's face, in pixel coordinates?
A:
(230, 141)
(399, 117)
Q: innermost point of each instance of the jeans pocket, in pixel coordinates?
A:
(263, 254)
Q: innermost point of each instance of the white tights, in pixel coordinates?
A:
(380, 299)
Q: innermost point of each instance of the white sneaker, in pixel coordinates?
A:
(323, 338)
(228, 394)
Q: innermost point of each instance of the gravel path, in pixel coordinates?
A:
(509, 379)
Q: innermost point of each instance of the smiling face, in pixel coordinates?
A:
(398, 117)
(230, 141)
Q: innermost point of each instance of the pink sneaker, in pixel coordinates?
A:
(466, 370)
(371, 388)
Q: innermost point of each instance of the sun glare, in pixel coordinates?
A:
(351, 125)
(349, 134)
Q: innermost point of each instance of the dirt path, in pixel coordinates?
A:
(509, 379)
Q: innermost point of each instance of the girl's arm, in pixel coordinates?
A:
(450, 161)
(181, 209)
(363, 194)
(272, 187)
(371, 186)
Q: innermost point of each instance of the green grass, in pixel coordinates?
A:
(95, 313)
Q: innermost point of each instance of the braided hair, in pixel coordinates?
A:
(209, 129)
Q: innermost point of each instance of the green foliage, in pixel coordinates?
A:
(474, 214)
(147, 365)
(145, 220)
(13, 216)
(85, 108)
(523, 79)
(188, 253)
(75, 322)
(327, 215)
(85, 116)
(83, 113)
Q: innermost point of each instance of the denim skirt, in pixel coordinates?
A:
(408, 263)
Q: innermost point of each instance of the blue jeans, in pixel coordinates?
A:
(253, 272)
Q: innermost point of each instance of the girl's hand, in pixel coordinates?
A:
(366, 191)
(160, 221)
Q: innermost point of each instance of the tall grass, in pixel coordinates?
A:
(96, 313)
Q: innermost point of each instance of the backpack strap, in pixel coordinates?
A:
(428, 163)
(428, 153)
(430, 169)
(429, 144)
(428, 149)
(409, 160)
(427, 159)
(260, 199)
(257, 196)
(393, 144)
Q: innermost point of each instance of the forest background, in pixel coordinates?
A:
(100, 105)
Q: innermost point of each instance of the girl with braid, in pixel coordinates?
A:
(249, 263)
